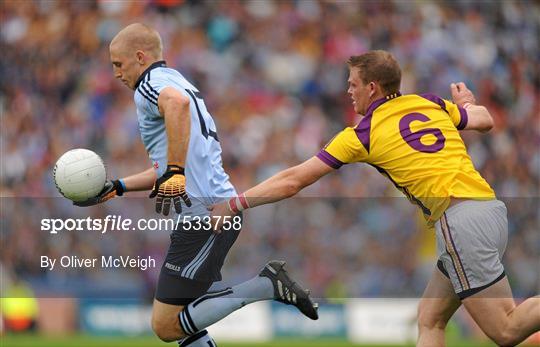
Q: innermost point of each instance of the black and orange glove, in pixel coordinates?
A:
(170, 186)
(109, 191)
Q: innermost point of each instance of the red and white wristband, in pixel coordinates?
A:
(467, 105)
(238, 204)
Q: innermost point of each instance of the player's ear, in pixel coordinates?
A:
(372, 89)
(141, 58)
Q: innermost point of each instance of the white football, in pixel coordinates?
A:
(79, 174)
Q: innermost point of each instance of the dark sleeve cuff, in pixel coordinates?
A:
(464, 118)
(329, 160)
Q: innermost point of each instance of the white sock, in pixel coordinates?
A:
(213, 307)
(200, 339)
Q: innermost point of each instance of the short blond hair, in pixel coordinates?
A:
(378, 66)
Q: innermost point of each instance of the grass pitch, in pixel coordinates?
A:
(149, 341)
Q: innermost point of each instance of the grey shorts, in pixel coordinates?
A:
(471, 240)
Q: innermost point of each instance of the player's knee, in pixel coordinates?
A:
(165, 334)
(166, 331)
(429, 319)
(505, 338)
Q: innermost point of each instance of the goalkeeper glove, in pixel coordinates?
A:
(172, 185)
(111, 190)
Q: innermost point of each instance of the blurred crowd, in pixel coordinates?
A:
(274, 77)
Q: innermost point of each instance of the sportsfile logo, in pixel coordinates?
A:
(109, 223)
(116, 223)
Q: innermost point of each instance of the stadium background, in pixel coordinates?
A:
(273, 75)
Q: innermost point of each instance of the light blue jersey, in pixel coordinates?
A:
(206, 181)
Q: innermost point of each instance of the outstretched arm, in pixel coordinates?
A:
(478, 117)
(282, 185)
(287, 183)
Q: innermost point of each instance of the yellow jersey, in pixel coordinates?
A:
(414, 141)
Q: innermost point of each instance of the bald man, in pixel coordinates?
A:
(181, 139)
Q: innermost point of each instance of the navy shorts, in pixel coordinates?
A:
(193, 262)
